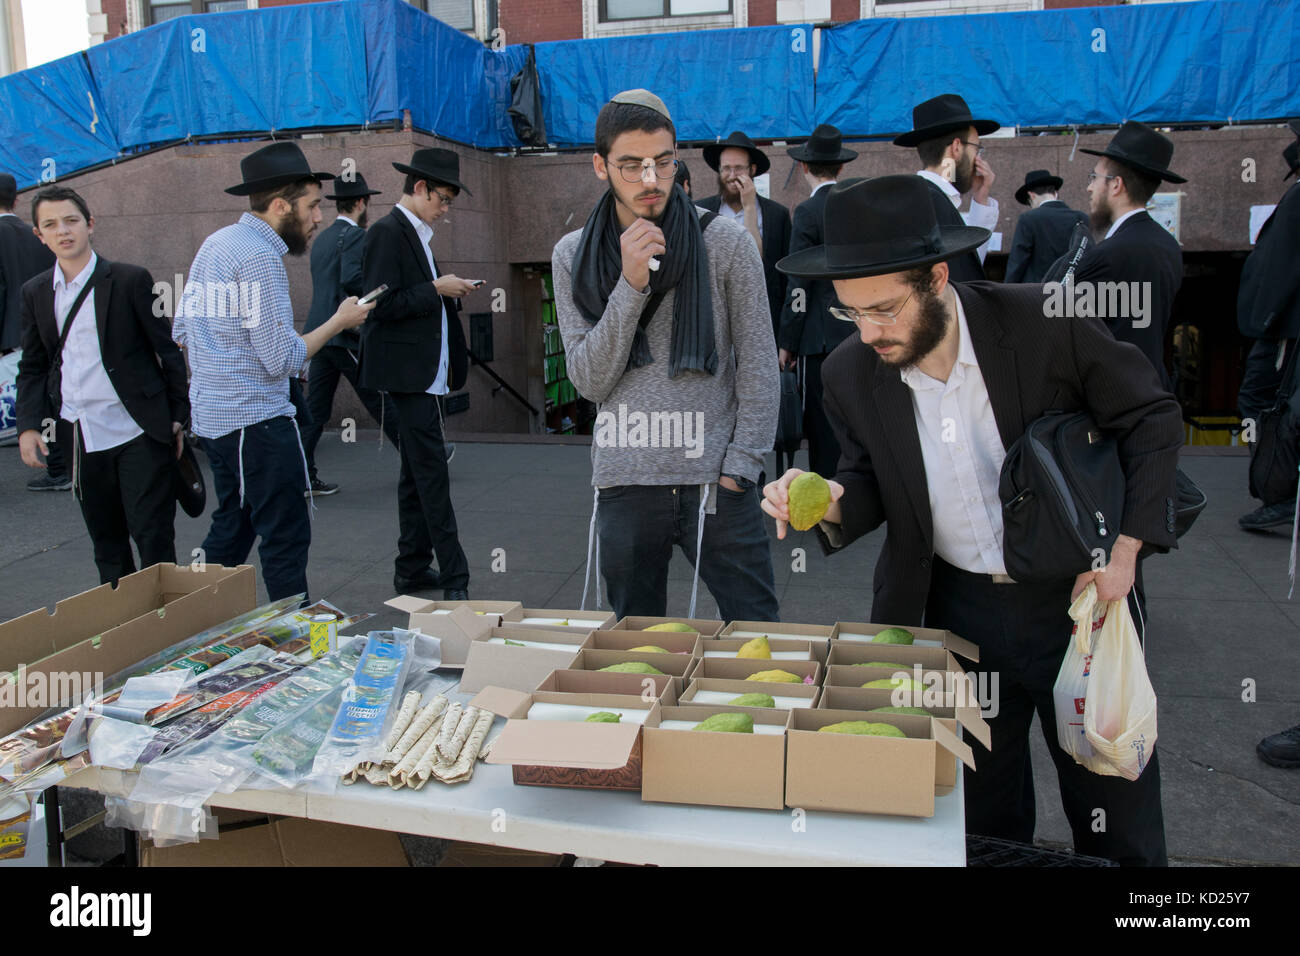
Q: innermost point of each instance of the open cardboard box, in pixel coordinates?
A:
(705, 628)
(817, 633)
(867, 774)
(520, 668)
(934, 665)
(782, 648)
(457, 624)
(740, 668)
(717, 692)
(675, 643)
(855, 632)
(649, 687)
(106, 630)
(714, 768)
(862, 699)
(680, 667)
(549, 618)
(283, 841)
(571, 753)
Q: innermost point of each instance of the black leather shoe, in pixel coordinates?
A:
(1269, 516)
(426, 580)
(1281, 749)
(451, 594)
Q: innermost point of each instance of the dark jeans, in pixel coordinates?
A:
(638, 526)
(1023, 631)
(273, 505)
(426, 521)
(327, 366)
(125, 493)
(823, 449)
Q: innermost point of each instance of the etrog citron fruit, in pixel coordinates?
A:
(648, 649)
(776, 677)
(728, 723)
(895, 683)
(894, 635)
(758, 647)
(603, 717)
(632, 667)
(810, 496)
(753, 700)
(918, 711)
(673, 626)
(863, 727)
(878, 664)
(515, 643)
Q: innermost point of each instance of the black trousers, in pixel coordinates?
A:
(426, 521)
(823, 449)
(54, 462)
(327, 366)
(125, 494)
(1023, 631)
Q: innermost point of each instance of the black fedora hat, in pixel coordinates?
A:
(946, 113)
(737, 140)
(440, 165)
(352, 189)
(272, 167)
(877, 226)
(1035, 178)
(1292, 153)
(824, 146)
(1141, 147)
(187, 483)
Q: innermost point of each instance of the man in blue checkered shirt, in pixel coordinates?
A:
(235, 323)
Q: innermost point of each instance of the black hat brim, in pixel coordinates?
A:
(368, 192)
(425, 174)
(275, 182)
(914, 137)
(1022, 194)
(954, 240)
(1166, 175)
(801, 154)
(758, 158)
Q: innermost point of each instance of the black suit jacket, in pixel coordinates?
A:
(776, 246)
(335, 274)
(143, 363)
(401, 341)
(22, 256)
(967, 266)
(1042, 237)
(1268, 300)
(811, 330)
(1030, 366)
(1143, 251)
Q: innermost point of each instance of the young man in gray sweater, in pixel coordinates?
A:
(664, 316)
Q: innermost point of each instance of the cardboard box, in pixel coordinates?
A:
(716, 769)
(866, 774)
(705, 628)
(783, 649)
(106, 630)
(625, 640)
(519, 668)
(933, 664)
(570, 753)
(284, 841)
(749, 629)
(678, 666)
(738, 668)
(854, 632)
(708, 687)
(457, 624)
(649, 687)
(545, 618)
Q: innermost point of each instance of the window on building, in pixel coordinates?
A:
(160, 10)
(454, 13)
(613, 10)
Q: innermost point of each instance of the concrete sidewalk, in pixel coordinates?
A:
(1220, 619)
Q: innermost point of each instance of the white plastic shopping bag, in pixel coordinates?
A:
(1071, 690)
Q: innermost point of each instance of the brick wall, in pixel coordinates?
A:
(115, 11)
(540, 21)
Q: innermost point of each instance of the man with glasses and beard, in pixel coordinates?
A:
(940, 381)
(660, 306)
(948, 141)
(235, 323)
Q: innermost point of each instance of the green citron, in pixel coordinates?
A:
(810, 496)
(894, 683)
(862, 727)
(918, 711)
(632, 667)
(753, 700)
(603, 717)
(776, 677)
(879, 664)
(514, 643)
(894, 635)
(757, 648)
(728, 723)
(674, 626)
(648, 649)
(563, 624)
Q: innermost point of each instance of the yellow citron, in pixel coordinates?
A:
(758, 647)
(776, 677)
(810, 496)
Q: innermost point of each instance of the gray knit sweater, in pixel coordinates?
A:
(653, 430)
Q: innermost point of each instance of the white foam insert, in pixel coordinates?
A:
(541, 644)
(776, 655)
(866, 638)
(572, 712)
(583, 624)
(727, 696)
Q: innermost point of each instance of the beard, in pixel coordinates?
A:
(1101, 215)
(295, 234)
(931, 326)
(635, 208)
(965, 174)
(729, 191)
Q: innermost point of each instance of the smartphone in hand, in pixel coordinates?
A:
(372, 295)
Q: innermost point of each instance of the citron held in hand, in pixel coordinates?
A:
(810, 496)
(757, 648)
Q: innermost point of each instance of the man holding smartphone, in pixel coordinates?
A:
(413, 348)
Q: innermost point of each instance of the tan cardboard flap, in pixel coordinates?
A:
(948, 741)
(959, 645)
(408, 603)
(502, 701)
(971, 719)
(561, 744)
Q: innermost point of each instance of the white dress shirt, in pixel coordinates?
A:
(963, 456)
(821, 185)
(739, 214)
(352, 222)
(425, 232)
(1120, 221)
(88, 395)
(979, 214)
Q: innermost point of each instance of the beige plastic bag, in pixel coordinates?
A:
(1108, 722)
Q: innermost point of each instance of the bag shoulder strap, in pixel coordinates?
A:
(72, 315)
(707, 219)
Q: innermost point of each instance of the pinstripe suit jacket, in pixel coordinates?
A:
(1031, 365)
